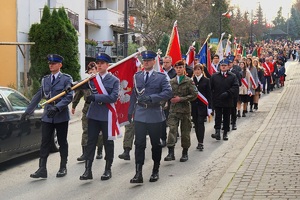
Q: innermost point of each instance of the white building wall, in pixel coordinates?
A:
(30, 12)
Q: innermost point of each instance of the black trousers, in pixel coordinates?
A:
(268, 83)
(233, 111)
(47, 134)
(225, 112)
(199, 126)
(154, 132)
(94, 128)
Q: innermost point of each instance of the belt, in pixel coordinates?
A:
(144, 105)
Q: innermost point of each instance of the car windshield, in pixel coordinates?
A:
(17, 101)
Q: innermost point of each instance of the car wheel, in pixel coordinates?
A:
(55, 145)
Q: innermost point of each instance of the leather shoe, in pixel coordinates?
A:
(40, 173)
(61, 172)
(234, 127)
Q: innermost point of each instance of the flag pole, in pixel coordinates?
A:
(229, 36)
(208, 36)
(123, 60)
(220, 42)
(171, 38)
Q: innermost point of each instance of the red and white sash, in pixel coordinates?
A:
(214, 68)
(113, 124)
(244, 81)
(269, 70)
(202, 98)
(253, 81)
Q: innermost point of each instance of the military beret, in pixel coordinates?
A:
(148, 55)
(55, 58)
(90, 66)
(103, 57)
(179, 63)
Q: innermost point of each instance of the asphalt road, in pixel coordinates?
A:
(194, 179)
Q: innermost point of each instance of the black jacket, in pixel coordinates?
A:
(203, 87)
(220, 84)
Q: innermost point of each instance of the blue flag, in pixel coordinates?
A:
(203, 54)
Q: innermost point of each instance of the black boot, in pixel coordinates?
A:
(170, 155)
(238, 114)
(255, 106)
(107, 172)
(125, 155)
(63, 168)
(138, 177)
(155, 176)
(251, 108)
(42, 171)
(82, 158)
(88, 171)
(217, 135)
(184, 156)
(225, 136)
(99, 153)
(244, 113)
(234, 126)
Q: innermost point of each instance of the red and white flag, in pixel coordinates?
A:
(124, 70)
(157, 66)
(190, 57)
(173, 49)
(228, 14)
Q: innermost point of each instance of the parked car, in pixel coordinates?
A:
(18, 137)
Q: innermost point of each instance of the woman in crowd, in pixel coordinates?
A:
(199, 107)
(260, 79)
(253, 80)
(244, 90)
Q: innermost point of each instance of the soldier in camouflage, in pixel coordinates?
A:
(79, 93)
(184, 91)
(127, 141)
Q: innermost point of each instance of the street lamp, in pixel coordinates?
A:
(220, 18)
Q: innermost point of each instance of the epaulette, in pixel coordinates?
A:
(139, 72)
(68, 75)
(46, 76)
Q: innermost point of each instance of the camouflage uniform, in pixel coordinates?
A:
(181, 111)
(128, 136)
(78, 95)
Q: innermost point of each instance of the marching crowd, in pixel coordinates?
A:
(187, 98)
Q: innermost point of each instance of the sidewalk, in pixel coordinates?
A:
(269, 165)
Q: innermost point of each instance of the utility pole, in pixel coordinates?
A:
(126, 29)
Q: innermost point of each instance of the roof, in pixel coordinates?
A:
(277, 32)
(91, 23)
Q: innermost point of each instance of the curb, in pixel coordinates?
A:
(221, 186)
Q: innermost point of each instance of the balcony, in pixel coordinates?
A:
(116, 51)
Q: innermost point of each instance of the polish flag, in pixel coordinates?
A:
(173, 49)
(228, 14)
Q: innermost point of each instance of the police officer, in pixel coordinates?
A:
(55, 116)
(184, 91)
(224, 86)
(85, 92)
(151, 88)
(98, 116)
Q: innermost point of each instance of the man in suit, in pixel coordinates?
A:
(224, 85)
(105, 89)
(151, 88)
(56, 115)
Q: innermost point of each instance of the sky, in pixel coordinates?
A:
(269, 7)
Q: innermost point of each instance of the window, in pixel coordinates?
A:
(3, 106)
(17, 101)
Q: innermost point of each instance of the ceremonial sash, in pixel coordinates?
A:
(202, 98)
(214, 68)
(244, 81)
(268, 68)
(252, 81)
(113, 124)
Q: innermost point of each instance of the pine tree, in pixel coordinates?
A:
(279, 21)
(163, 45)
(54, 35)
